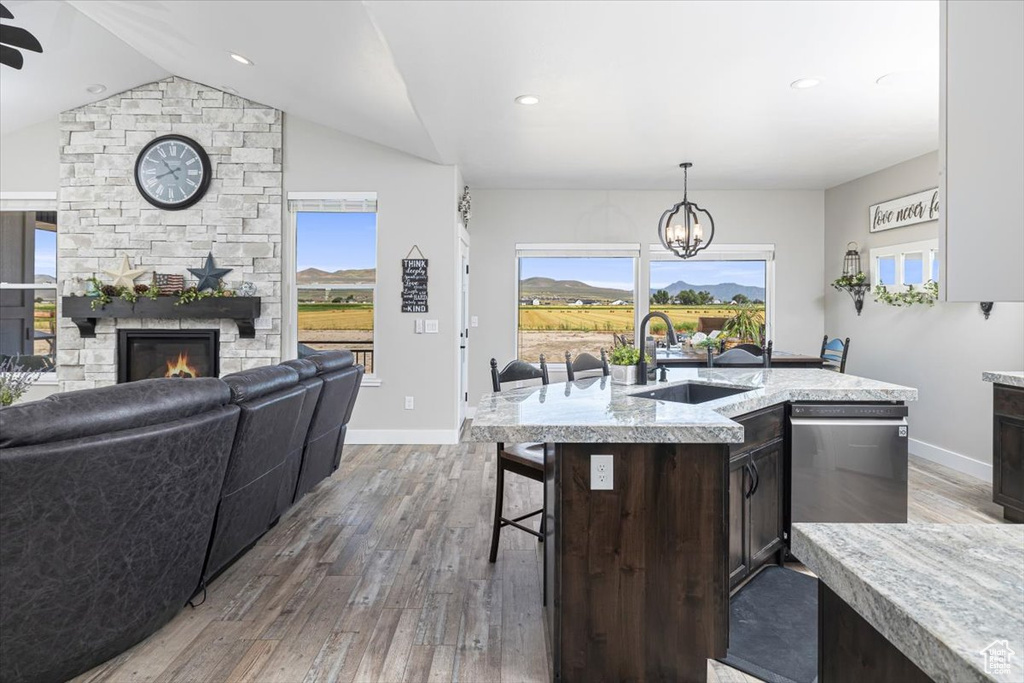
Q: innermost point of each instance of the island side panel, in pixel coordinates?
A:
(638, 575)
(850, 650)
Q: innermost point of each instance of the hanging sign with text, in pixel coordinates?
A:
(910, 210)
(414, 285)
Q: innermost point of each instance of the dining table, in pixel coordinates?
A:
(686, 356)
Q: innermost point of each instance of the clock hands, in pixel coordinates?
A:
(170, 170)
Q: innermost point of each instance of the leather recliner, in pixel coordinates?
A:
(293, 461)
(270, 399)
(341, 382)
(348, 416)
(106, 502)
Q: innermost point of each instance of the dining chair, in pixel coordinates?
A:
(737, 357)
(524, 459)
(834, 353)
(586, 363)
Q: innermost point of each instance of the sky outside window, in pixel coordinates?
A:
(46, 253)
(336, 241)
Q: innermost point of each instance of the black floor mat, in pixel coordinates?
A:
(773, 627)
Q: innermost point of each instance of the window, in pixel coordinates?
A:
(28, 288)
(336, 275)
(902, 265)
(702, 295)
(574, 298)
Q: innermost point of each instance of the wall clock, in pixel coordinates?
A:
(172, 172)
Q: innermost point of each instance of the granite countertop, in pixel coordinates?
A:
(941, 593)
(1014, 378)
(594, 410)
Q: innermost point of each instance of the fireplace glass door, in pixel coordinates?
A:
(151, 354)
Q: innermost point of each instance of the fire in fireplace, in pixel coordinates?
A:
(149, 354)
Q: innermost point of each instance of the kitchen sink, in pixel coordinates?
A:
(690, 393)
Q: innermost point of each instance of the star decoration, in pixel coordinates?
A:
(126, 276)
(209, 275)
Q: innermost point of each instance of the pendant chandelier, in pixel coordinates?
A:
(680, 228)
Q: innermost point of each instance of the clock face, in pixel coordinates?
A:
(172, 172)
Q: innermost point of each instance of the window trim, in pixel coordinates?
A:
(729, 252)
(322, 202)
(37, 201)
(929, 250)
(574, 250)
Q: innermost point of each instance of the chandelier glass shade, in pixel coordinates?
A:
(686, 229)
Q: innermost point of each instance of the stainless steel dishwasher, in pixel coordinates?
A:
(849, 463)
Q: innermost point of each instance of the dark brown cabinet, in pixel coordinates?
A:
(1008, 451)
(756, 494)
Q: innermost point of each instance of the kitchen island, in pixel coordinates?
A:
(1008, 441)
(638, 577)
(917, 602)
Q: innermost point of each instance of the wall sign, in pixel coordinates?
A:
(414, 284)
(910, 210)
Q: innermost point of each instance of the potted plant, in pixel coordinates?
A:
(710, 344)
(624, 360)
(745, 326)
(15, 381)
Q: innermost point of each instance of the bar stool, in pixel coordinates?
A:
(586, 363)
(524, 459)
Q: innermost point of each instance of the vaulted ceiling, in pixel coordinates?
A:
(627, 89)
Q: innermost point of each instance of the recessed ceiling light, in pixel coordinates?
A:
(804, 83)
(527, 100)
(240, 59)
(96, 88)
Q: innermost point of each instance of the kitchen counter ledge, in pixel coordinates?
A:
(940, 593)
(594, 410)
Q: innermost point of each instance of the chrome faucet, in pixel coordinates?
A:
(642, 370)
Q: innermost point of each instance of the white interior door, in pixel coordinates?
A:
(463, 326)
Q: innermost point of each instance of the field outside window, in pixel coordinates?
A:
(699, 296)
(576, 304)
(336, 279)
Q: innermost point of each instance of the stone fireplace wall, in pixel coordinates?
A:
(102, 216)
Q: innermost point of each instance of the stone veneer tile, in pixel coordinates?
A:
(102, 216)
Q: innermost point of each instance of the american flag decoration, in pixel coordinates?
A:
(169, 284)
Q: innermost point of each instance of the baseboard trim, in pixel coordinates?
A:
(951, 459)
(402, 436)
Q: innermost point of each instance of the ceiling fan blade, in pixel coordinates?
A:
(5, 13)
(11, 57)
(19, 37)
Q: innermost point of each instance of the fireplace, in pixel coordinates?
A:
(149, 354)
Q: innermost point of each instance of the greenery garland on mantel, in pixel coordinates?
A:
(928, 294)
(104, 293)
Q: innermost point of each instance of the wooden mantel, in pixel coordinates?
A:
(242, 309)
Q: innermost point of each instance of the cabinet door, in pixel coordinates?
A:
(1007, 463)
(764, 523)
(739, 485)
(981, 150)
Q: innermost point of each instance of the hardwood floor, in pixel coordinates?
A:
(381, 574)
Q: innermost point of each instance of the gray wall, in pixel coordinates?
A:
(30, 158)
(941, 350)
(792, 220)
(416, 205)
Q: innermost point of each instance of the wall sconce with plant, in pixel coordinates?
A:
(928, 293)
(853, 281)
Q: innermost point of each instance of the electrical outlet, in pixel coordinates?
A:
(432, 326)
(410, 403)
(602, 472)
(419, 325)
(474, 321)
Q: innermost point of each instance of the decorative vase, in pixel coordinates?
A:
(623, 374)
(247, 289)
